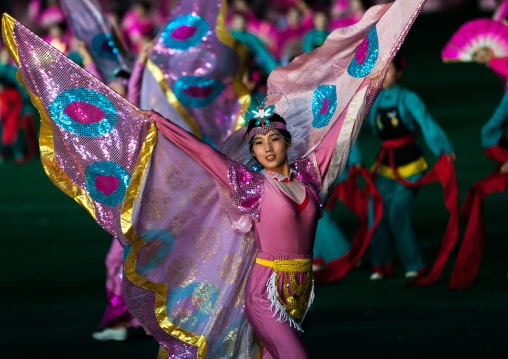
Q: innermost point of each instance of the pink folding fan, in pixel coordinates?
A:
(474, 36)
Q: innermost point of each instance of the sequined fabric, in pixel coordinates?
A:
(263, 130)
(247, 186)
(91, 134)
(198, 66)
(116, 310)
(366, 56)
(296, 295)
(74, 160)
(308, 175)
(192, 250)
(90, 25)
(325, 67)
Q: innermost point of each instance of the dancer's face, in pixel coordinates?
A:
(271, 151)
(239, 23)
(320, 21)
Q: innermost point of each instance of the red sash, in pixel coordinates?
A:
(10, 109)
(357, 200)
(444, 172)
(471, 251)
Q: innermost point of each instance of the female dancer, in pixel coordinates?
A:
(393, 119)
(173, 200)
(495, 146)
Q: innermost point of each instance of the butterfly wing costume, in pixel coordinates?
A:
(194, 73)
(90, 25)
(190, 217)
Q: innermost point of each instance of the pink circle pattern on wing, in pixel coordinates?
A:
(198, 92)
(324, 109)
(107, 184)
(184, 32)
(84, 112)
(362, 51)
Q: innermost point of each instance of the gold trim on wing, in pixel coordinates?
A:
(8, 36)
(170, 96)
(164, 353)
(50, 164)
(161, 289)
(225, 37)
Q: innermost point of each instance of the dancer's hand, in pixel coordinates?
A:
(374, 76)
(504, 169)
(145, 50)
(451, 157)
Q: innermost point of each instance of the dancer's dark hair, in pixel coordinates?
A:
(274, 118)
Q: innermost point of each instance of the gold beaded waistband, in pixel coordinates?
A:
(293, 265)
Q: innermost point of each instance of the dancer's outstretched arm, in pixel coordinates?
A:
(211, 159)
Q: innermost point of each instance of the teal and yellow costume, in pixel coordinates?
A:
(393, 118)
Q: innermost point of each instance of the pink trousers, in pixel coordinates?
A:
(117, 309)
(280, 341)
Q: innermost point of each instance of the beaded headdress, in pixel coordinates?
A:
(263, 113)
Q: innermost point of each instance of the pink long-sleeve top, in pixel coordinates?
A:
(288, 211)
(135, 82)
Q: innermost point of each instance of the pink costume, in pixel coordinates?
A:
(291, 37)
(53, 14)
(263, 29)
(135, 27)
(343, 15)
(135, 82)
(117, 309)
(286, 210)
(501, 12)
(191, 218)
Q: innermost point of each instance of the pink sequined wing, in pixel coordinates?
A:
(320, 85)
(90, 25)
(477, 35)
(186, 270)
(194, 74)
(91, 138)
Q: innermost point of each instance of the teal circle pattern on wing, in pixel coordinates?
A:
(107, 182)
(324, 104)
(104, 46)
(197, 91)
(83, 112)
(206, 294)
(161, 242)
(366, 56)
(185, 31)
